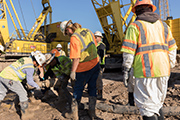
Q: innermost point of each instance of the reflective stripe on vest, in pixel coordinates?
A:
(64, 66)
(88, 48)
(18, 68)
(45, 67)
(14, 71)
(82, 41)
(144, 48)
(103, 61)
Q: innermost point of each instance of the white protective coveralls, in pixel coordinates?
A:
(157, 87)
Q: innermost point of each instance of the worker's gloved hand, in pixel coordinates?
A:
(125, 76)
(41, 79)
(73, 75)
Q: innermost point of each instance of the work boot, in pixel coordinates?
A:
(161, 117)
(92, 105)
(154, 117)
(74, 111)
(80, 105)
(99, 94)
(131, 99)
(24, 106)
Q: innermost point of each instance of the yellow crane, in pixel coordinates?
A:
(40, 37)
(22, 42)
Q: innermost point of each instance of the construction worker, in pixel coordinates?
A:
(85, 65)
(101, 49)
(59, 48)
(44, 73)
(151, 48)
(12, 76)
(2, 50)
(61, 67)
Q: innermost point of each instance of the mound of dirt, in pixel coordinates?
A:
(114, 93)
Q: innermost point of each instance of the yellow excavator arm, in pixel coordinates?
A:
(113, 21)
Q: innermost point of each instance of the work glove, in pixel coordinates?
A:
(73, 78)
(73, 75)
(125, 76)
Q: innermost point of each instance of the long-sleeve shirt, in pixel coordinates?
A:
(29, 77)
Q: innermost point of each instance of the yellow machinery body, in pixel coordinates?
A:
(41, 37)
(113, 21)
(175, 28)
(115, 16)
(54, 36)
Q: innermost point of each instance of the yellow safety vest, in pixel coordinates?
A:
(45, 67)
(14, 71)
(150, 42)
(88, 48)
(62, 53)
(103, 61)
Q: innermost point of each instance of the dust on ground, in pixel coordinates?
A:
(114, 92)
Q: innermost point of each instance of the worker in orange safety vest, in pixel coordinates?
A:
(150, 49)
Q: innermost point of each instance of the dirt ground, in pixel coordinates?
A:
(114, 92)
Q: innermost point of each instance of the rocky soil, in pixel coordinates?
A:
(114, 93)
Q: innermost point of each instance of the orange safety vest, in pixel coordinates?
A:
(151, 49)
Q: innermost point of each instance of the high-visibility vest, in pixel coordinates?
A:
(64, 66)
(62, 53)
(150, 42)
(103, 61)
(14, 71)
(45, 67)
(88, 48)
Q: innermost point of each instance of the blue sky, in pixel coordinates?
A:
(80, 11)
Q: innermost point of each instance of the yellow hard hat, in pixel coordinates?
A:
(143, 2)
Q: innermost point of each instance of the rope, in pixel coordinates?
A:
(22, 15)
(33, 9)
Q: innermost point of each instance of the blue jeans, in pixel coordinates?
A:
(83, 78)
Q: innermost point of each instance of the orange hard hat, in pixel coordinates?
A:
(56, 52)
(143, 2)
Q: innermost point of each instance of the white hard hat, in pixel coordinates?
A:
(49, 57)
(98, 33)
(40, 58)
(65, 24)
(35, 52)
(59, 46)
(2, 48)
